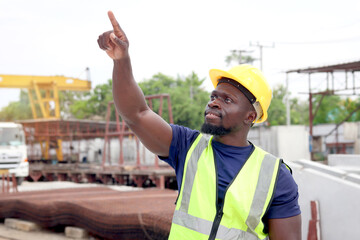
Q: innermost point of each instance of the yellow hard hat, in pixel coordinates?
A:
(253, 80)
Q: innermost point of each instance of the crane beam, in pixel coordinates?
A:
(44, 82)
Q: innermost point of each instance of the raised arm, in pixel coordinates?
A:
(129, 100)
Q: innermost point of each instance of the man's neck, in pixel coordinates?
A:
(232, 140)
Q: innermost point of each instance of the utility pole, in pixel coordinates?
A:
(261, 46)
(88, 76)
(288, 118)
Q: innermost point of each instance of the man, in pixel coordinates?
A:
(228, 188)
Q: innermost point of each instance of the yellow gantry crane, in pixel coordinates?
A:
(42, 91)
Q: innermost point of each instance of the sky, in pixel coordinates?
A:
(176, 38)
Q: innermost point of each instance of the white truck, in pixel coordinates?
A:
(13, 152)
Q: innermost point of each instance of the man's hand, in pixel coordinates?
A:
(114, 42)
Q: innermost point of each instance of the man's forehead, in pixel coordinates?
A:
(240, 88)
(228, 89)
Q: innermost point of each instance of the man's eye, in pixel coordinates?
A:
(228, 100)
(212, 97)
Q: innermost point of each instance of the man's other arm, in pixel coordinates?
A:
(151, 129)
(285, 228)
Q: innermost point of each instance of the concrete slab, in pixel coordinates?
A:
(13, 234)
(76, 233)
(21, 225)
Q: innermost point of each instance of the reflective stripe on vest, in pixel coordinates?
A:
(203, 226)
(261, 192)
(191, 171)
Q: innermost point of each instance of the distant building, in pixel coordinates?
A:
(327, 139)
(292, 142)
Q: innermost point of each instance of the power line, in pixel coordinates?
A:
(356, 38)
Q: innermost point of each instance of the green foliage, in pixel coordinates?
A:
(277, 109)
(93, 103)
(334, 109)
(19, 110)
(238, 57)
(351, 106)
(67, 101)
(328, 109)
(188, 99)
(299, 113)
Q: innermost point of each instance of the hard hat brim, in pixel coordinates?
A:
(216, 74)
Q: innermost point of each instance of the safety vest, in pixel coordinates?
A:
(247, 197)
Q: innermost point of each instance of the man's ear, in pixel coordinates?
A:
(251, 116)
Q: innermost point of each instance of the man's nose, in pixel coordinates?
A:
(214, 103)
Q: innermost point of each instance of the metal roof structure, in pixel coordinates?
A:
(342, 67)
(349, 86)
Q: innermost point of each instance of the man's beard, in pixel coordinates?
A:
(214, 130)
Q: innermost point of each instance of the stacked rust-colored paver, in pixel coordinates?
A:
(103, 212)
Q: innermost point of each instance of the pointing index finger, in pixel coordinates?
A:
(117, 29)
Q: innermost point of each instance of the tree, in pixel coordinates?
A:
(238, 57)
(334, 109)
(19, 110)
(94, 103)
(188, 99)
(299, 112)
(277, 111)
(67, 99)
(351, 107)
(329, 109)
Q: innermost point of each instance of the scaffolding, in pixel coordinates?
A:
(349, 87)
(41, 131)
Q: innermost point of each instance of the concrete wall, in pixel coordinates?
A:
(293, 142)
(352, 132)
(347, 162)
(263, 137)
(288, 142)
(338, 194)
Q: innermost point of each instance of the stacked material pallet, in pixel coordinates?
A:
(103, 212)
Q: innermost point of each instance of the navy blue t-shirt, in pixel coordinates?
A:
(229, 160)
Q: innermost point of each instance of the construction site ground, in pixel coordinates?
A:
(105, 212)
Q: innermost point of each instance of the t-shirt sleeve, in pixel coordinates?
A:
(181, 141)
(285, 202)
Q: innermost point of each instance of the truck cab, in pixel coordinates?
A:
(13, 152)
